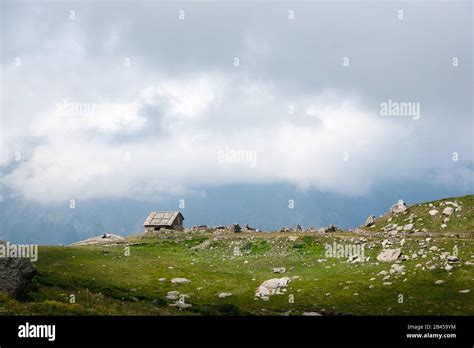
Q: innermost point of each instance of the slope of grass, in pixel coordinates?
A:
(124, 279)
(104, 281)
(460, 221)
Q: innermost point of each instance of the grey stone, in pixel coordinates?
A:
(274, 286)
(398, 207)
(370, 221)
(235, 228)
(453, 258)
(448, 211)
(224, 294)
(15, 275)
(180, 281)
(279, 270)
(389, 255)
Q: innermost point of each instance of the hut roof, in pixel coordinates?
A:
(161, 218)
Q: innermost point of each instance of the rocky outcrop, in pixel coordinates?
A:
(398, 207)
(369, 221)
(235, 228)
(274, 286)
(107, 238)
(15, 275)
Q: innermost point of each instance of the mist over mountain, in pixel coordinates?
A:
(264, 207)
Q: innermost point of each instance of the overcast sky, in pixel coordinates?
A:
(157, 100)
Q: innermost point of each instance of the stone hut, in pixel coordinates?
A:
(157, 220)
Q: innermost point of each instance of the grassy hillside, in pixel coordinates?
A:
(105, 281)
(461, 220)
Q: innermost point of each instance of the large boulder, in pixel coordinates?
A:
(235, 228)
(369, 221)
(398, 207)
(15, 275)
(448, 211)
(389, 255)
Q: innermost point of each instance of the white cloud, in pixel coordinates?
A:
(74, 117)
(144, 132)
(305, 148)
(182, 99)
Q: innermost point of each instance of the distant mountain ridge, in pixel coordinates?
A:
(261, 206)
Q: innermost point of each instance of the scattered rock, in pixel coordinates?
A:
(433, 212)
(444, 255)
(181, 304)
(465, 291)
(279, 270)
(408, 227)
(389, 255)
(439, 282)
(448, 211)
(224, 294)
(172, 295)
(274, 286)
(311, 314)
(180, 281)
(397, 268)
(453, 258)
